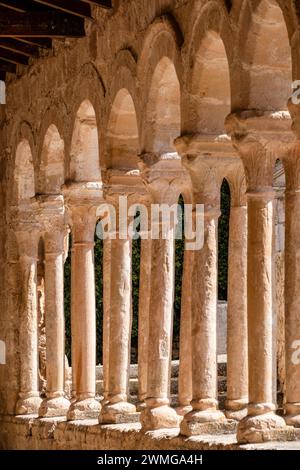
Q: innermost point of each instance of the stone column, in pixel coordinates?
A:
(118, 409)
(144, 308)
(250, 134)
(55, 403)
(292, 284)
(106, 315)
(83, 313)
(204, 341)
(205, 415)
(158, 413)
(185, 391)
(29, 397)
(237, 348)
(163, 189)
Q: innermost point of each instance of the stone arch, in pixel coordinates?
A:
(23, 133)
(161, 50)
(209, 72)
(122, 133)
(163, 109)
(84, 154)
(265, 53)
(24, 181)
(87, 87)
(51, 171)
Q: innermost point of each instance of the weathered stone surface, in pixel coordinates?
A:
(103, 116)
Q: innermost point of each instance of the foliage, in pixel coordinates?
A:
(223, 236)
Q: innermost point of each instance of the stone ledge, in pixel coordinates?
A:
(29, 432)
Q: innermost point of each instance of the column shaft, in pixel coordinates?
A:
(29, 400)
(260, 217)
(118, 409)
(292, 299)
(158, 413)
(83, 316)
(144, 307)
(261, 417)
(237, 348)
(106, 314)
(55, 403)
(185, 349)
(204, 327)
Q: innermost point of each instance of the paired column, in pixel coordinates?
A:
(163, 190)
(83, 313)
(158, 413)
(258, 156)
(204, 319)
(117, 409)
(29, 397)
(205, 415)
(237, 345)
(55, 403)
(292, 285)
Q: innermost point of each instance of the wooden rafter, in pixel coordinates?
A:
(28, 25)
(41, 24)
(74, 7)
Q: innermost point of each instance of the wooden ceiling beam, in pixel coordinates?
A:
(15, 45)
(52, 24)
(74, 7)
(16, 5)
(13, 57)
(45, 43)
(100, 3)
(7, 66)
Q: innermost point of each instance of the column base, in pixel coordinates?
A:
(236, 409)
(28, 405)
(182, 410)
(51, 407)
(140, 406)
(292, 416)
(84, 409)
(159, 417)
(117, 413)
(207, 421)
(259, 428)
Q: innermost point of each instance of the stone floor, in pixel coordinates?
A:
(56, 434)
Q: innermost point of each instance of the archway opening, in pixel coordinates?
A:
(223, 244)
(163, 109)
(210, 100)
(179, 262)
(24, 173)
(51, 176)
(266, 54)
(85, 161)
(122, 133)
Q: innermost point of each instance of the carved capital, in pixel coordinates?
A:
(294, 110)
(291, 161)
(82, 201)
(260, 139)
(51, 212)
(164, 177)
(83, 222)
(27, 243)
(237, 182)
